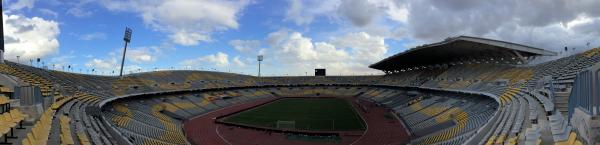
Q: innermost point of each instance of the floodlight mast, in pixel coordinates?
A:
(127, 39)
(2, 33)
(260, 59)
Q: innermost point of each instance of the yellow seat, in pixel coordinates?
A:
(6, 120)
(26, 142)
(4, 129)
(4, 100)
(33, 141)
(65, 131)
(40, 130)
(66, 139)
(16, 114)
(83, 138)
(572, 137)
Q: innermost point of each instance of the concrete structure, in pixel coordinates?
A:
(461, 49)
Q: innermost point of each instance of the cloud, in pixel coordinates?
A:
(303, 12)
(130, 69)
(550, 24)
(74, 8)
(92, 36)
(103, 64)
(106, 66)
(61, 61)
(29, 38)
(135, 57)
(79, 12)
(245, 45)
(396, 11)
(188, 21)
(237, 62)
(369, 48)
(188, 38)
(292, 45)
(48, 12)
(538, 23)
(20, 4)
(350, 53)
(141, 55)
(359, 12)
(219, 59)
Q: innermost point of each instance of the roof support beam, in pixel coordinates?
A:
(523, 59)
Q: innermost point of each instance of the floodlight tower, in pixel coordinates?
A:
(2, 40)
(260, 59)
(127, 39)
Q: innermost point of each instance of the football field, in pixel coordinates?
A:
(313, 114)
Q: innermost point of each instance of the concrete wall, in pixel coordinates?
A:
(586, 126)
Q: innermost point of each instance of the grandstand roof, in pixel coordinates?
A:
(458, 49)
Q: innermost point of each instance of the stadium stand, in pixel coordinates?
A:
(476, 91)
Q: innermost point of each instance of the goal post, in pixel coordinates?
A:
(308, 124)
(282, 124)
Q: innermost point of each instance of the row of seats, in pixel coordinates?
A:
(4, 104)
(41, 130)
(147, 121)
(65, 131)
(60, 101)
(430, 114)
(517, 112)
(9, 121)
(44, 84)
(509, 126)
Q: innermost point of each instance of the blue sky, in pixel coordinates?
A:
(296, 36)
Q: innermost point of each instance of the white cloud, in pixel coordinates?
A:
(370, 48)
(244, 45)
(396, 11)
(79, 12)
(293, 45)
(237, 62)
(359, 12)
(141, 55)
(29, 38)
(92, 36)
(550, 25)
(48, 12)
(136, 56)
(303, 12)
(20, 4)
(219, 59)
(262, 51)
(188, 21)
(102, 64)
(75, 8)
(188, 38)
(538, 23)
(61, 61)
(131, 69)
(351, 53)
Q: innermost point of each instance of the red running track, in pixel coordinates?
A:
(203, 130)
(381, 130)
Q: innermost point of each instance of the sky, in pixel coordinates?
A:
(295, 36)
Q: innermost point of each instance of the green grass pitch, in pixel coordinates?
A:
(322, 114)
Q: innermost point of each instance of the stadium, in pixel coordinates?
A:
(462, 90)
(477, 91)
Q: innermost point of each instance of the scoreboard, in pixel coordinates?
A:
(319, 72)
